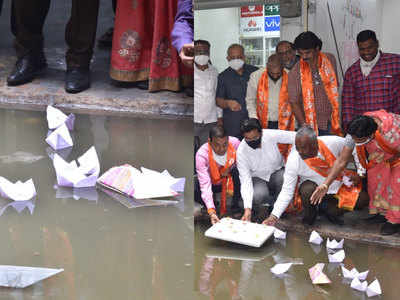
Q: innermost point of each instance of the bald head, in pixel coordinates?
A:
(274, 67)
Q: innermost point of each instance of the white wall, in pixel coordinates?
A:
(390, 38)
(221, 28)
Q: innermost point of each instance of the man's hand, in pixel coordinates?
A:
(319, 193)
(187, 55)
(214, 218)
(233, 105)
(246, 215)
(271, 220)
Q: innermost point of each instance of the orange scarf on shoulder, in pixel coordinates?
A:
(329, 80)
(285, 117)
(347, 195)
(216, 171)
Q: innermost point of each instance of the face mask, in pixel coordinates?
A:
(255, 143)
(201, 60)
(236, 64)
(363, 143)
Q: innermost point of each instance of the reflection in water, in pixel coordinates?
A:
(106, 250)
(88, 193)
(228, 271)
(18, 205)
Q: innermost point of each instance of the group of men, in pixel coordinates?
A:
(245, 121)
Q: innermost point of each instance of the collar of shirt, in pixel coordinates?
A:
(366, 66)
(219, 159)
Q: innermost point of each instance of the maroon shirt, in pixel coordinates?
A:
(323, 107)
(379, 90)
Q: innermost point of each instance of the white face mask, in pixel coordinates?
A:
(236, 64)
(201, 60)
(363, 143)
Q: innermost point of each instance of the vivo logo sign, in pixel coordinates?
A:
(272, 23)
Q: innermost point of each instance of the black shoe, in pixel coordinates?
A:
(189, 92)
(105, 41)
(27, 68)
(77, 80)
(375, 219)
(143, 85)
(389, 228)
(335, 219)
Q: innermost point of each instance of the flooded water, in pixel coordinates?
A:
(229, 271)
(107, 250)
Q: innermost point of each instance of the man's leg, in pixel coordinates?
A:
(27, 26)
(80, 35)
(275, 185)
(310, 211)
(236, 190)
(261, 192)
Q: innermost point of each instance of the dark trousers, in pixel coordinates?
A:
(329, 202)
(80, 31)
(1, 5)
(217, 188)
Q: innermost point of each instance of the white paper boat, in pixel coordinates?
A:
(358, 285)
(19, 191)
(353, 273)
(374, 289)
(60, 138)
(241, 232)
(333, 244)
(338, 257)
(56, 118)
(279, 269)
(315, 238)
(279, 234)
(72, 175)
(21, 277)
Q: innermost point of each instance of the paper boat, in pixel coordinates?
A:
(337, 257)
(315, 238)
(279, 269)
(60, 138)
(333, 244)
(72, 175)
(353, 273)
(358, 285)
(317, 276)
(56, 118)
(19, 191)
(374, 289)
(143, 183)
(279, 234)
(21, 277)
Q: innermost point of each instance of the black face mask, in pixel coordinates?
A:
(254, 144)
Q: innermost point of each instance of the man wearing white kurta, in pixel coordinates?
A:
(260, 163)
(296, 168)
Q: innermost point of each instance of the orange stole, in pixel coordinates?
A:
(347, 195)
(329, 80)
(362, 157)
(285, 116)
(216, 171)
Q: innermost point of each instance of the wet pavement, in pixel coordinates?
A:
(229, 271)
(107, 250)
(103, 96)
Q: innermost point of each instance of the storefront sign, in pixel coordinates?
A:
(251, 11)
(272, 23)
(252, 26)
(271, 9)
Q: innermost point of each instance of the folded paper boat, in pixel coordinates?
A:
(21, 277)
(240, 232)
(56, 118)
(19, 191)
(72, 175)
(143, 183)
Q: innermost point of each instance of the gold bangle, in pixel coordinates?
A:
(325, 185)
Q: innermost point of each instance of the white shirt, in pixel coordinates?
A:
(205, 88)
(274, 89)
(296, 167)
(260, 162)
(367, 66)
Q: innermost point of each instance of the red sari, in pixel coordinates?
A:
(142, 47)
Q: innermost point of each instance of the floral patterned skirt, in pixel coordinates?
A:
(142, 48)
